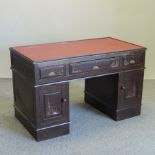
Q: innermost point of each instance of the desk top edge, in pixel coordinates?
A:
(23, 50)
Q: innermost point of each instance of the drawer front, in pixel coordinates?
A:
(94, 65)
(53, 71)
(133, 59)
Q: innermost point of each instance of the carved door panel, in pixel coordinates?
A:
(52, 104)
(130, 88)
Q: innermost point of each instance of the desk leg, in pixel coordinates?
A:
(118, 95)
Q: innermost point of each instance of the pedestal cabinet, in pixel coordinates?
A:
(117, 95)
(43, 110)
(113, 71)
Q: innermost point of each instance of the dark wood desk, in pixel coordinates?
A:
(113, 72)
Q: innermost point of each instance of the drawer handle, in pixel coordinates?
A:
(127, 62)
(55, 73)
(77, 71)
(52, 74)
(96, 67)
(132, 61)
(115, 64)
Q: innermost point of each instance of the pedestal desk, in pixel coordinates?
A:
(113, 71)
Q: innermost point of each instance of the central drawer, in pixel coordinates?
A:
(94, 65)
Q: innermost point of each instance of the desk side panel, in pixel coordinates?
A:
(23, 87)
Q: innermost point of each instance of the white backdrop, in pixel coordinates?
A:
(39, 21)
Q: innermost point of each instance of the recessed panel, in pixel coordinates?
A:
(53, 105)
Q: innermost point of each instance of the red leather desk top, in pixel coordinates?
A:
(68, 49)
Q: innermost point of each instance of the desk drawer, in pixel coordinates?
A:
(134, 59)
(53, 71)
(93, 65)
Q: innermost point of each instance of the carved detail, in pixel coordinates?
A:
(115, 64)
(132, 90)
(52, 109)
(126, 62)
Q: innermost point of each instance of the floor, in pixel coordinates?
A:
(91, 132)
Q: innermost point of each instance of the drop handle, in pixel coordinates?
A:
(123, 87)
(77, 71)
(96, 67)
(132, 61)
(52, 74)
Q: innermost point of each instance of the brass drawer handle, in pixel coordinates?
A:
(52, 74)
(132, 61)
(77, 71)
(55, 73)
(96, 67)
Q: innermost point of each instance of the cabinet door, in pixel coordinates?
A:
(130, 88)
(52, 104)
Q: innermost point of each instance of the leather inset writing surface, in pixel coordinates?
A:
(74, 48)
